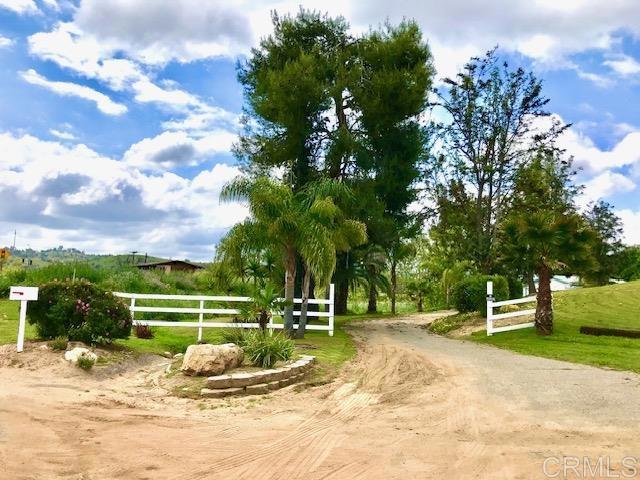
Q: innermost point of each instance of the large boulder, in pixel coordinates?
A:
(211, 359)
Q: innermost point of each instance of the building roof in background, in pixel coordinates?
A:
(169, 262)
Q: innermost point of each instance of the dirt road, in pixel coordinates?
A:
(412, 405)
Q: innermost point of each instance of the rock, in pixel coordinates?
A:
(178, 355)
(75, 353)
(207, 359)
(258, 389)
(221, 393)
(243, 379)
(219, 381)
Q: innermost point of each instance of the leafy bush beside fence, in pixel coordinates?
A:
(471, 293)
(79, 311)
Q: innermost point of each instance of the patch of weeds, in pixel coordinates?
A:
(85, 362)
(444, 325)
(58, 343)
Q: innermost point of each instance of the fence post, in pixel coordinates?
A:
(131, 308)
(489, 308)
(332, 291)
(200, 319)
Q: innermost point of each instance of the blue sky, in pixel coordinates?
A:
(116, 135)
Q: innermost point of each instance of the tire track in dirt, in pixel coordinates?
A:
(381, 374)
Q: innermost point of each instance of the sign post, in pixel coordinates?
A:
(24, 295)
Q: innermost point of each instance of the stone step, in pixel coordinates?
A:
(223, 388)
(236, 380)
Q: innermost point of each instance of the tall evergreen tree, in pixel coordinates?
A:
(323, 103)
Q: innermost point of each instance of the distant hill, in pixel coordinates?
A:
(61, 254)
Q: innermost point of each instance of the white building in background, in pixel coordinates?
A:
(558, 283)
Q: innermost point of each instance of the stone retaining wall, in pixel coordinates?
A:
(257, 382)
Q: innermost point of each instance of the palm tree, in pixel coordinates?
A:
(332, 232)
(264, 301)
(544, 233)
(548, 242)
(303, 223)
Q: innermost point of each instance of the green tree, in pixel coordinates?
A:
(493, 126)
(629, 263)
(321, 103)
(543, 233)
(264, 301)
(287, 82)
(307, 223)
(608, 244)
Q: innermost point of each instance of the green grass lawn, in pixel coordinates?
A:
(9, 323)
(616, 306)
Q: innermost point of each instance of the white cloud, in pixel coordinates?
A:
(598, 80)
(593, 160)
(163, 30)
(70, 48)
(71, 195)
(20, 6)
(631, 222)
(174, 149)
(623, 65)
(146, 91)
(5, 42)
(53, 4)
(547, 31)
(605, 184)
(62, 135)
(102, 101)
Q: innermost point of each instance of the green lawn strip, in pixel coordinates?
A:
(615, 306)
(9, 311)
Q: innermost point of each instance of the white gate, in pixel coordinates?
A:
(520, 313)
(201, 311)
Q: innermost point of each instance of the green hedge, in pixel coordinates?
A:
(471, 293)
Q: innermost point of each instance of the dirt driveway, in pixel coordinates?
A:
(411, 406)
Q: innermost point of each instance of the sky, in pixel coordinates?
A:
(117, 117)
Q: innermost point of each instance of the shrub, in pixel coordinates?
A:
(143, 331)
(471, 293)
(79, 311)
(515, 287)
(237, 335)
(264, 349)
(59, 343)
(85, 362)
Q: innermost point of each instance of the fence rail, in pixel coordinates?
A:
(201, 311)
(491, 317)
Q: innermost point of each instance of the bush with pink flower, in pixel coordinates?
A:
(79, 310)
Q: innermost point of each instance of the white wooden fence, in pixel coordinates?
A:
(201, 311)
(491, 317)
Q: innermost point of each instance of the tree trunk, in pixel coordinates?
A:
(302, 323)
(373, 299)
(544, 309)
(394, 284)
(532, 284)
(289, 289)
(263, 320)
(342, 295)
(420, 304)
